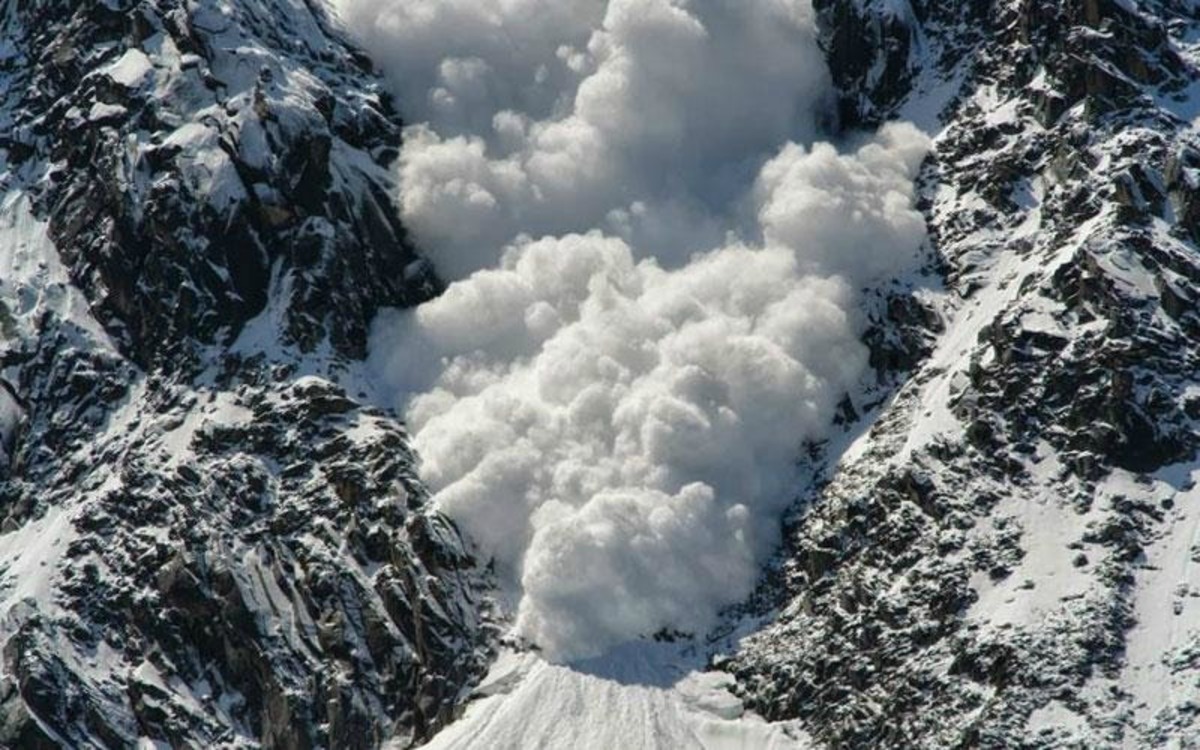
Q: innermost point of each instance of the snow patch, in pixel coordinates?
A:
(131, 69)
(33, 280)
(30, 559)
(1167, 598)
(641, 698)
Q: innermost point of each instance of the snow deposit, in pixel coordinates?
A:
(656, 289)
(643, 696)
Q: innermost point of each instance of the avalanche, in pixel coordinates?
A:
(657, 276)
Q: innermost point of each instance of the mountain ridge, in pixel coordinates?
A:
(1048, 443)
(209, 531)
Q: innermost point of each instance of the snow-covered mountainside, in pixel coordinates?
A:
(1004, 555)
(213, 532)
(209, 535)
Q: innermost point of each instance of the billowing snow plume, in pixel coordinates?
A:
(643, 118)
(657, 289)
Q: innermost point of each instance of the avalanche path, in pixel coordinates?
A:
(653, 303)
(643, 695)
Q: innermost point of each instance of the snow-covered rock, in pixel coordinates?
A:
(11, 417)
(1000, 555)
(208, 538)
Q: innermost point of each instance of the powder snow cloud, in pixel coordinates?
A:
(657, 284)
(642, 118)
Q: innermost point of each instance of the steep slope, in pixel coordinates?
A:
(642, 695)
(212, 538)
(190, 156)
(208, 537)
(1004, 556)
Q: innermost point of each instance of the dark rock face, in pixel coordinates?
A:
(208, 538)
(314, 602)
(194, 155)
(879, 50)
(996, 563)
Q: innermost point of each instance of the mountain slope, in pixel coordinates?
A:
(212, 536)
(1003, 557)
(209, 536)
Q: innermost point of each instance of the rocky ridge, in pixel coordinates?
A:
(210, 537)
(1001, 555)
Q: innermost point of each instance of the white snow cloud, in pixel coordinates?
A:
(657, 289)
(639, 117)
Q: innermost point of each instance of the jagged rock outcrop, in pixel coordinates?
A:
(1004, 557)
(192, 156)
(209, 539)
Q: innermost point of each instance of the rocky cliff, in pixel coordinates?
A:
(210, 537)
(1002, 553)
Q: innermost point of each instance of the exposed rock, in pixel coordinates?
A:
(209, 540)
(990, 550)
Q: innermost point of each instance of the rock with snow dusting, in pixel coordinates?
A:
(198, 160)
(208, 538)
(11, 418)
(1004, 556)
